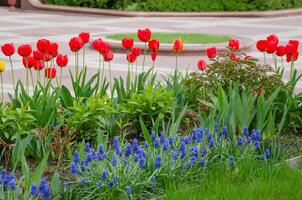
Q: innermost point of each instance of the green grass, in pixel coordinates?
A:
(249, 182)
(169, 37)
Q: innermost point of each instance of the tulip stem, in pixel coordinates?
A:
(99, 85)
(264, 58)
(275, 61)
(32, 79)
(2, 96)
(176, 62)
(27, 80)
(12, 72)
(84, 50)
(77, 66)
(291, 70)
(102, 77)
(144, 59)
(129, 71)
(153, 64)
(110, 77)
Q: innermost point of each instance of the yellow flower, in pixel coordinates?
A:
(2, 66)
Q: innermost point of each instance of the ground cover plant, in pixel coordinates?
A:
(136, 137)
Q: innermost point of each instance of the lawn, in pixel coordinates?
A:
(169, 37)
(249, 182)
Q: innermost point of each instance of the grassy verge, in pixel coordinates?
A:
(169, 37)
(273, 182)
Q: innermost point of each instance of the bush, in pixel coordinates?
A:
(184, 5)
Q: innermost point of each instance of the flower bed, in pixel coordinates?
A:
(137, 137)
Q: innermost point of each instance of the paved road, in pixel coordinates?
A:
(26, 27)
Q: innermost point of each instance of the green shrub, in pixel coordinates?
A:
(183, 5)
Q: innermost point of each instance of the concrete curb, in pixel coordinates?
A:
(295, 162)
(189, 49)
(38, 5)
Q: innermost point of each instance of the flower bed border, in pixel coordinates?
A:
(38, 5)
(295, 162)
(189, 48)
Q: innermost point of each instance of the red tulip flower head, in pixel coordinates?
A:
(127, 43)
(8, 49)
(248, 58)
(62, 60)
(47, 57)
(75, 44)
(202, 65)
(273, 38)
(234, 57)
(50, 73)
(96, 43)
(38, 55)
(234, 44)
(43, 45)
(24, 50)
(211, 52)
(131, 58)
(144, 35)
(280, 51)
(153, 45)
(178, 45)
(53, 49)
(153, 56)
(28, 62)
(261, 45)
(136, 51)
(108, 56)
(39, 65)
(104, 47)
(85, 36)
(271, 47)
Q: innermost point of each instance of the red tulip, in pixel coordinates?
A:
(85, 36)
(38, 55)
(248, 58)
(8, 49)
(104, 47)
(177, 45)
(96, 43)
(234, 44)
(144, 35)
(211, 52)
(295, 43)
(131, 58)
(280, 51)
(28, 62)
(153, 45)
(202, 65)
(234, 57)
(289, 49)
(108, 56)
(24, 50)
(136, 51)
(292, 57)
(62, 60)
(271, 47)
(273, 38)
(43, 45)
(47, 57)
(53, 49)
(50, 73)
(39, 65)
(261, 45)
(153, 56)
(127, 43)
(76, 44)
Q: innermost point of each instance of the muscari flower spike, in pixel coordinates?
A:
(232, 160)
(158, 162)
(267, 153)
(162, 137)
(34, 190)
(104, 174)
(240, 141)
(129, 190)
